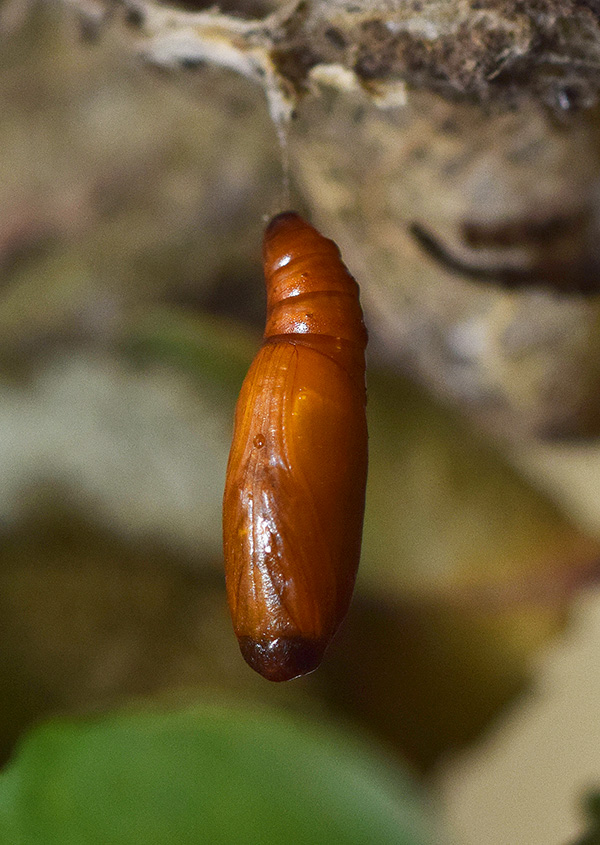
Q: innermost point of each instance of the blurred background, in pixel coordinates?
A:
(462, 689)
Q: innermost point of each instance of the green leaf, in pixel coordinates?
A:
(206, 775)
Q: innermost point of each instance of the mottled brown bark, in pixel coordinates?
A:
(451, 148)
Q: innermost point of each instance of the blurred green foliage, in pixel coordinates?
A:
(215, 774)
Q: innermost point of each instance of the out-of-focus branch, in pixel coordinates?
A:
(178, 39)
(464, 222)
(484, 50)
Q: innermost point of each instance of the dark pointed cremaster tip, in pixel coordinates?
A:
(283, 658)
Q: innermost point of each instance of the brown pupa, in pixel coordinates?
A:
(295, 490)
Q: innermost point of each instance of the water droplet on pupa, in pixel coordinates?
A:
(259, 441)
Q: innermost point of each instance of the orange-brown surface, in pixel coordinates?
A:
(295, 490)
